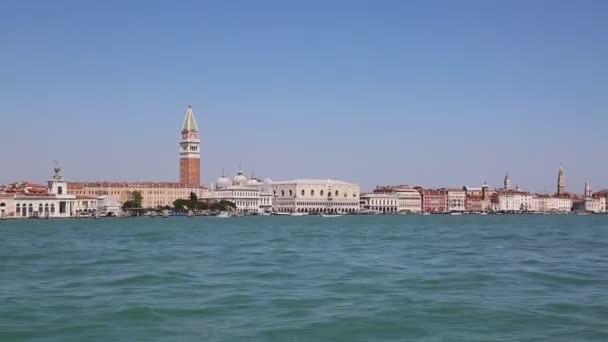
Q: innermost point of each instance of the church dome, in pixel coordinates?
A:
(253, 182)
(240, 179)
(222, 183)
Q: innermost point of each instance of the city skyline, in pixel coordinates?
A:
(190, 171)
(364, 94)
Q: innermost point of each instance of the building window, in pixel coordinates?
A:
(282, 192)
(321, 192)
(52, 208)
(302, 192)
(336, 193)
(290, 193)
(59, 190)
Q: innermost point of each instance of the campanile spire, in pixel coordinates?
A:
(190, 155)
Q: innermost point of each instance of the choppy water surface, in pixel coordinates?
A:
(399, 278)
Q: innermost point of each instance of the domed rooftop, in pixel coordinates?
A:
(240, 179)
(223, 182)
(253, 182)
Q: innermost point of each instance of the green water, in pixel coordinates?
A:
(393, 278)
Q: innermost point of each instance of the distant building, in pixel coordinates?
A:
(155, 194)
(554, 204)
(314, 195)
(248, 195)
(26, 200)
(595, 205)
(476, 204)
(472, 191)
(561, 182)
(434, 200)
(597, 202)
(409, 199)
(507, 182)
(85, 205)
(190, 154)
(588, 193)
(456, 200)
(386, 203)
(513, 201)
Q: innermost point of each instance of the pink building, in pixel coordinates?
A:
(434, 200)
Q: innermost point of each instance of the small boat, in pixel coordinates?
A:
(456, 213)
(223, 214)
(331, 215)
(264, 214)
(483, 213)
(282, 214)
(299, 214)
(426, 214)
(165, 214)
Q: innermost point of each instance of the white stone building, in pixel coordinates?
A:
(554, 204)
(456, 200)
(248, 195)
(85, 205)
(313, 195)
(410, 200)
(54, 203)
(595, 205)
(514, 201)
(380, 203)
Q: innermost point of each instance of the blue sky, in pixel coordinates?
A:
(432, 93)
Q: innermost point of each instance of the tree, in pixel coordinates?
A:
(128, 205)
(180, 203)
(137, 198)
(193, 197)
(222, 205)
(135, 201)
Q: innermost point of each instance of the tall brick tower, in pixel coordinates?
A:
(190, 155)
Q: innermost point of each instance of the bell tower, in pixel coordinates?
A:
(190, 155)
(561, 181)
(507, 182)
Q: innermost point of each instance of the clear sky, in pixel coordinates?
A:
(432, 93)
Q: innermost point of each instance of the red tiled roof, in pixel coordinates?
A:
(603, 192)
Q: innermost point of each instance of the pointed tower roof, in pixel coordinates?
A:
(189, 121)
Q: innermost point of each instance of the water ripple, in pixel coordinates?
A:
(394, 278)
